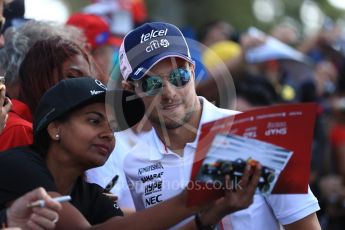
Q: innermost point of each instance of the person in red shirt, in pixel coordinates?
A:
(18, 129)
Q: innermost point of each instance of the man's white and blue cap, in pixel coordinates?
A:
(148, 44)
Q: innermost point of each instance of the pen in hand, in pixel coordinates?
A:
(111, 184)
(41, 203)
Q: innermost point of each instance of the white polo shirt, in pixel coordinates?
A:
(154, 174)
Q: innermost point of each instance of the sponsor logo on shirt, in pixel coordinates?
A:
(150, 168)
(151, 177)
(153, 200)
(153, 188)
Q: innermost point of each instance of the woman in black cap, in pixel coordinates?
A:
(71, 135)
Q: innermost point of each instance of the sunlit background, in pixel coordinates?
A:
(52, 10)
(242, 14)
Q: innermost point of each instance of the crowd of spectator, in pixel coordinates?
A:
(235, 70)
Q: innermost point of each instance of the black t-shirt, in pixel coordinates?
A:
(22, 170)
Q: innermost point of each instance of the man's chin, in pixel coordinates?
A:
(173, 125)
(167, 123)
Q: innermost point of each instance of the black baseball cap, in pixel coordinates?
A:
(69, 94)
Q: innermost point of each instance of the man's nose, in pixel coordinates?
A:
(168, 90)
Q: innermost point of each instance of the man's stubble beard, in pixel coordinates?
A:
(170, 123)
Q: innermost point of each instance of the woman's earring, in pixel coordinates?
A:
(57, 136)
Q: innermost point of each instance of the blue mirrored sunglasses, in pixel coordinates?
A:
(152, 85)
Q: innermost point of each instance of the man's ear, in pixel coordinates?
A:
(127, 85)
(192, 66)
(192, 69)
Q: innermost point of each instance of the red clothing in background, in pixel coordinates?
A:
(18, 130)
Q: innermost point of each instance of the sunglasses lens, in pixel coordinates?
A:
(151, 85)
(180, 77)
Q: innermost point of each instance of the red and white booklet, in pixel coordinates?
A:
(279, 137)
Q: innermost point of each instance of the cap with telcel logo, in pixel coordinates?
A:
(148, 44)
(72, 93)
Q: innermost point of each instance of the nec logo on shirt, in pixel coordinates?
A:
(153, 200)
(153, 34)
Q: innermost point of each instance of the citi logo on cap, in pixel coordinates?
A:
(157, 44)
(153, 34)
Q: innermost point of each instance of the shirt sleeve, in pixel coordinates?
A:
(289, 208)
(21, 171)
(102, 207)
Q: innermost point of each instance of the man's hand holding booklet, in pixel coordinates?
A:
(279, 137)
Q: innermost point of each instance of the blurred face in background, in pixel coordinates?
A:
(48, 62)
(76, 66)
(219, 32)
(326, 77)
(103, 57)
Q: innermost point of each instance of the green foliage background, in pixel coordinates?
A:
(237, 12)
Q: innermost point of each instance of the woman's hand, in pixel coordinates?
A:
(20, 215)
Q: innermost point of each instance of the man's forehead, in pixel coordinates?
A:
(165, 66)
(170, 61)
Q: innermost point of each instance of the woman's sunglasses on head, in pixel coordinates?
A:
(153, 84)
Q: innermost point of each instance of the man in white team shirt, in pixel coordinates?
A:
(155, 62)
